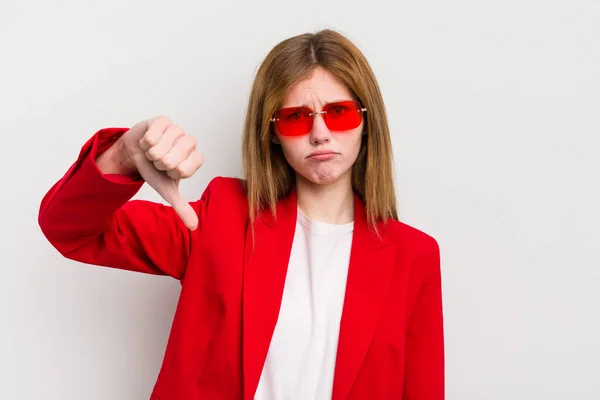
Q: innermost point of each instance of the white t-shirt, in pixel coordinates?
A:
(301, 358)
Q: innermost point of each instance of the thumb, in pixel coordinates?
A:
(168, 190)
(182, 208)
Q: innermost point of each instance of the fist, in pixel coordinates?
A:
(163, 154)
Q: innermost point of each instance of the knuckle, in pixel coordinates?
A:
(177, 130)
(162, 120)
(149, 140)
(183, 171)
(167, 163)
(153, 154)
(158, 165)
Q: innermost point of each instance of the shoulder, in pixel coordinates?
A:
(225, 191)
(404, 234)
(412, 242)
(416, 250)
(225, 194)
(225, 185)
(223, 201)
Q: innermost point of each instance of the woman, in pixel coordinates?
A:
(298, 282)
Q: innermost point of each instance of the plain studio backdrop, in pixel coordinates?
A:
(494, 113)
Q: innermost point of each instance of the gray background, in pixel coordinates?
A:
(493, 109)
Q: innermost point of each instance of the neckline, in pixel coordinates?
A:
(323, 227)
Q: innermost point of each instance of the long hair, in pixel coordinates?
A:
(268, 175)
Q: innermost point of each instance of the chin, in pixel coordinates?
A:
(322, 177)
(323, 180)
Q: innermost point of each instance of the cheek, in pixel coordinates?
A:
(351, 143)
(291, 148)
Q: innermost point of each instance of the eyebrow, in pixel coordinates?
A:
(325, 103)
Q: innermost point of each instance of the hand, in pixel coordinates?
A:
(163, 154)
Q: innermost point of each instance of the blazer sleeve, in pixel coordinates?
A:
(89, 217)
(424, 367)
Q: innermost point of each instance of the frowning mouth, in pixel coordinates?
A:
(322, 155)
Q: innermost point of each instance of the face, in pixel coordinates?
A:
(321, 156)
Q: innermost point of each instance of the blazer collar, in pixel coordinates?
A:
(286, 213)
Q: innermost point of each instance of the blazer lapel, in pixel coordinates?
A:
(369, 274)
(265, 267)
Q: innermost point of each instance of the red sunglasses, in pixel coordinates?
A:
(298, 121)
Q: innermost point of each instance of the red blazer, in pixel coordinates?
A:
(391, 333)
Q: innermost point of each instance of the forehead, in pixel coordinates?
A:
(320, 87)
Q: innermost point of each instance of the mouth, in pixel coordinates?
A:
(322, 155)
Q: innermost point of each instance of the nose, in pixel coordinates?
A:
(320, 133)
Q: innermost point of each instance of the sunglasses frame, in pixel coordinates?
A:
(361, 110)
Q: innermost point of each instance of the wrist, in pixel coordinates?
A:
(125, 161)
(116, 160)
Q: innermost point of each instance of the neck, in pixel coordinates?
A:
(331, 203)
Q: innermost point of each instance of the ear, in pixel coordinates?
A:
(275, 139)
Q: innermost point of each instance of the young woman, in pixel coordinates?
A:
(298, 282)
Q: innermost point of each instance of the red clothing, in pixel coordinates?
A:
(391, 333)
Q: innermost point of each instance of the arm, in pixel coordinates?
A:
(424, 373)
(88, 216)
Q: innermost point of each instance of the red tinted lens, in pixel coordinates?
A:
(298, 121)
(293, 121)
(343, 116)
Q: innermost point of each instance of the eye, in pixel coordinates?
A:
(337, 110)
(295, 116)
